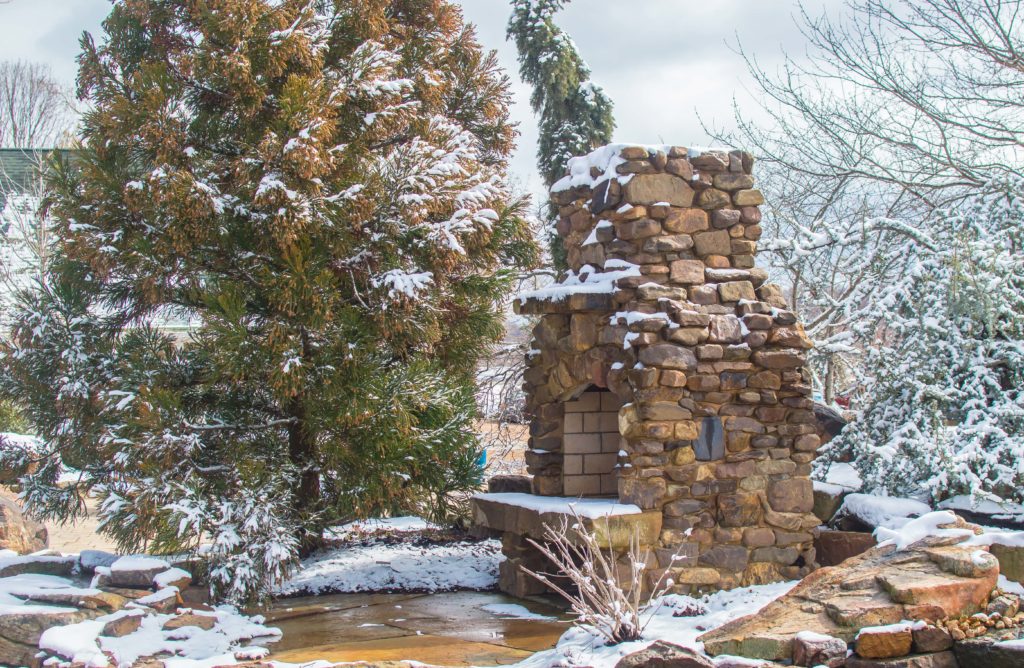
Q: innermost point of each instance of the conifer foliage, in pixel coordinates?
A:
(317, 186)
(575, 114)
(943, 398)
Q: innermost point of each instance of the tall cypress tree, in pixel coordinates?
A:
(575, 114)
(318, 186)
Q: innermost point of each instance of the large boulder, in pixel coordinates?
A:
(663, 654)
(17, 532)
(929, 580)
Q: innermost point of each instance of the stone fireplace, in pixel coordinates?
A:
(667, 376)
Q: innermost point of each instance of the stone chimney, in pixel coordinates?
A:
(666, 371)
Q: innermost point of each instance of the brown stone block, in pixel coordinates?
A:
(686, 221)
(758, 536)
(671, 378)
(655, 188)
(710, 352)
(712, 243)
(735, 291)
(835, 547)
(725, 329)
(681, 167)
(675, 243)
(704, 294)
(807, 442)
(744, 198)
(697, 576)
(743, 261)
(795, 495)
(655, 292)
(686, 430)
(717, 262)
(750, 215)
(739, 510)
(711, 161)
(724, 218)
(791, 337)
(877, 643)
(668, 356)
(744, 247)
(638, 229)
(689, 272)
(732, 181)
(779, 359)
(726, 557)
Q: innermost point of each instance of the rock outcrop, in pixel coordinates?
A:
(932, 580)
(18, 532)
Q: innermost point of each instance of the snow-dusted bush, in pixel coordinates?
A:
(605, 587)
(943, 401)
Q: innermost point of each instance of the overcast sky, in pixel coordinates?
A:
(662, 62)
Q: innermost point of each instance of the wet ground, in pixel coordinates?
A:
(451, 629)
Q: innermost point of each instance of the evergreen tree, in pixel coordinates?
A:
(319, 188)
(575, 114)
(943, 410)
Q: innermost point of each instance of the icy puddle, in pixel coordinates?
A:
(452, 629)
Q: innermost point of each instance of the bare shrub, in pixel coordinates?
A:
(606, 598)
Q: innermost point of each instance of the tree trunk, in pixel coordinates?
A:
(302, 453)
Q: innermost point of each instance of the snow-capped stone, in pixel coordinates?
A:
(883, 642)
(172, 577)
(664, 654)
(136, 571)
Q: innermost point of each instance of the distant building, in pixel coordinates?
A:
(21, 171)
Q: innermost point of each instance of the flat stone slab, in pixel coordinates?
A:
(614, 524)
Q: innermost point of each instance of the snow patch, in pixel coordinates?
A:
(589, 508)
(398, 567)
(889, 512)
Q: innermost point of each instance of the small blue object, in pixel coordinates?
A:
(481, 462)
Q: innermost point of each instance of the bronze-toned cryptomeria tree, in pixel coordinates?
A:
(318, 188)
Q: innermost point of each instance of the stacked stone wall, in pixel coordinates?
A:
(717, 424)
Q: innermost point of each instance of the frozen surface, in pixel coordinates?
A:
(589, 508)
(514, 611)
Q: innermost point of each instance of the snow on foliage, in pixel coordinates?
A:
(943, 410)
(335, 222)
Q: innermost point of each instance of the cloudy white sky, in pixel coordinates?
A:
(663, 62)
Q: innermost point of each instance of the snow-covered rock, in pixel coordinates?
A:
(866, 512)
(136, 571)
